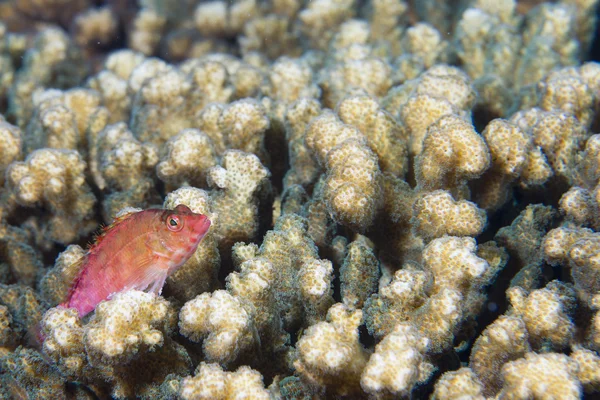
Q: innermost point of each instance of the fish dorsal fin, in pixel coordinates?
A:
(105, 230)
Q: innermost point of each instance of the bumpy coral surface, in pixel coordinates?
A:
(404, 197)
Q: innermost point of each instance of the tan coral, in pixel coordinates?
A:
(359, 273)
(558, 242)
(352, 189)
(288, 81)
(289, 247)
(186, 159)
(126, 344)
(291, 79)
(255, 286)
(447, 82)
(25, 307)
(453, 153)
(95, 27)
(540, 375)
(270, 35)
(504, 340)
(55, 285)
(560, 137)
(239, 182)
(222, 324)
(10, 146)
(514, 159)
(546, 315)
(22, 261)
(111, 83)
(561, 91)
(61, 120)
(436, 214)
(398, 363)
(386, 17)
(330, 357)
(125, 166)
(56, 11)
(588, 371)
(132, 321)
(210, 18)
(370, 75)
(222, 19)
(548, 37)
(460, 383)
(425, 42)
(55, 179)
(578, 206)
(7, 336)
(29, 375)
(588, 165)
(397, 301)
(303, 168)
(164, 105)
(386, 138)
(210, 381)
(243, 124)
(584, 262)
(146, 31)
(442, 90)
(211, 77)
(321, 18)
(315, 281)
(488, 39)
(63, 341)
(52, 59)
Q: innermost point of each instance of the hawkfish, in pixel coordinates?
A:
(139, 250)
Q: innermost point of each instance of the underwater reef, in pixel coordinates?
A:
(404, 197)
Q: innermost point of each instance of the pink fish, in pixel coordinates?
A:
(138, 251)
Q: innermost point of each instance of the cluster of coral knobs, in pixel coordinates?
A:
(326, 199)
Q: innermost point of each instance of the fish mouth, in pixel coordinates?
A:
(202, 225)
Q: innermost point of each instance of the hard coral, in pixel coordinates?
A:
(239, 184)
(540, 374)
(437, 214)
(187, 157)
(352, 189)
(222, 324)
(453, 153)
(212, 382)
(515, 159)
(398, 363)
(330, 356)
(55, 179)
(11, 146)
(129, 331)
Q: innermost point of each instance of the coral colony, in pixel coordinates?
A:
(403, 199)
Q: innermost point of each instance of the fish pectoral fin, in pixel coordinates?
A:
(151, 281)
(142, 274)
(157, 286)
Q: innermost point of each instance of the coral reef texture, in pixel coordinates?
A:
(404, 197)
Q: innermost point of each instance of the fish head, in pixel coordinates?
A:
(182, 229)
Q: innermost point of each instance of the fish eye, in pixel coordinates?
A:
(174, 223)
